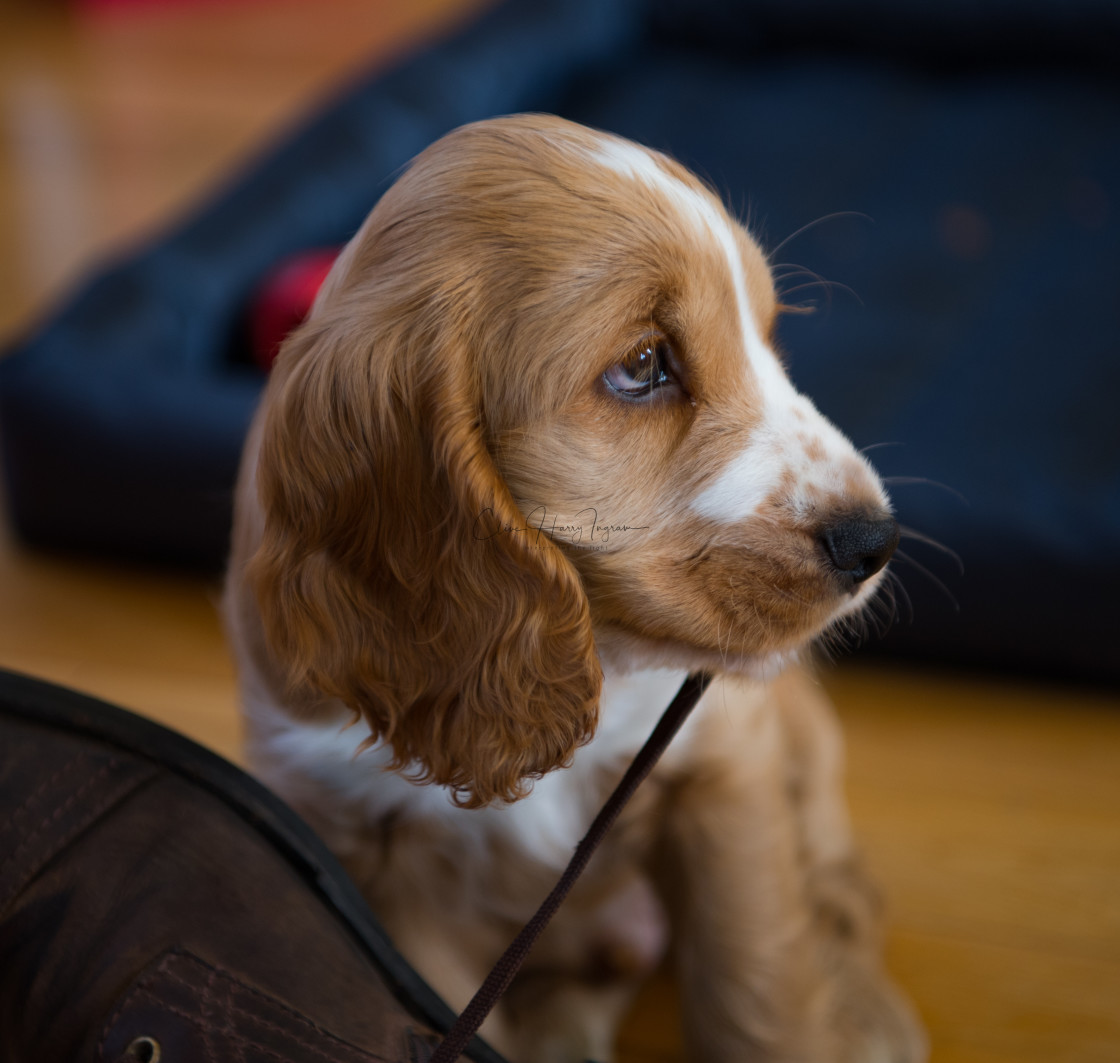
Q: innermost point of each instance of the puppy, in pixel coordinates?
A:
(531, 459)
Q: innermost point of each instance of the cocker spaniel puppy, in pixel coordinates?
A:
(531, 459)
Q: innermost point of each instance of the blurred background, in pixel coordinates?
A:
(939, 181)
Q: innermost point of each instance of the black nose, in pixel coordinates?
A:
(858, 547)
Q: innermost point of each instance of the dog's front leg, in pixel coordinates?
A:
(730, 867)
(872, 1019)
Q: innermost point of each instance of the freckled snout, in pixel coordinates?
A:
(858, 547)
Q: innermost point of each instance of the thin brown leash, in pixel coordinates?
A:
(499, 978)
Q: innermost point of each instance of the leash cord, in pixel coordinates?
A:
(503, 972)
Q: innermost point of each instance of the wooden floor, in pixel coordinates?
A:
(990, 810)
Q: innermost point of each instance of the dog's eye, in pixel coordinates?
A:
(645, 370)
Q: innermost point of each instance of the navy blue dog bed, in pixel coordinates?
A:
(970, 151)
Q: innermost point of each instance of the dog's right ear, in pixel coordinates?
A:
(393, 572)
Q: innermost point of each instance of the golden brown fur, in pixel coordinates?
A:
(452, 527)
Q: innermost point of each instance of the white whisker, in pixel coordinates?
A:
(935, 580)
(918, 537)
(819, 221)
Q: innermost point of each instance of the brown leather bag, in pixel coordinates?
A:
(156, 903)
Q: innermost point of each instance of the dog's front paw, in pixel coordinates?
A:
(872, 1020)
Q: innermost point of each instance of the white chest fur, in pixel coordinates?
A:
(546, 826)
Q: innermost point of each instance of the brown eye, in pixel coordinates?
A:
(645, 370)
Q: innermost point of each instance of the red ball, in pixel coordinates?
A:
(283, 300)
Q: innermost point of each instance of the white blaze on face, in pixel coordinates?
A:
(792, 441)
(710, 220)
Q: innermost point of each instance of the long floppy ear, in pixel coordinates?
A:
(394, 573)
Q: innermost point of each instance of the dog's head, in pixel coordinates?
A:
(535, 408)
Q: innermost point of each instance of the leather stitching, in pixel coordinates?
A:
(206, 1020)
